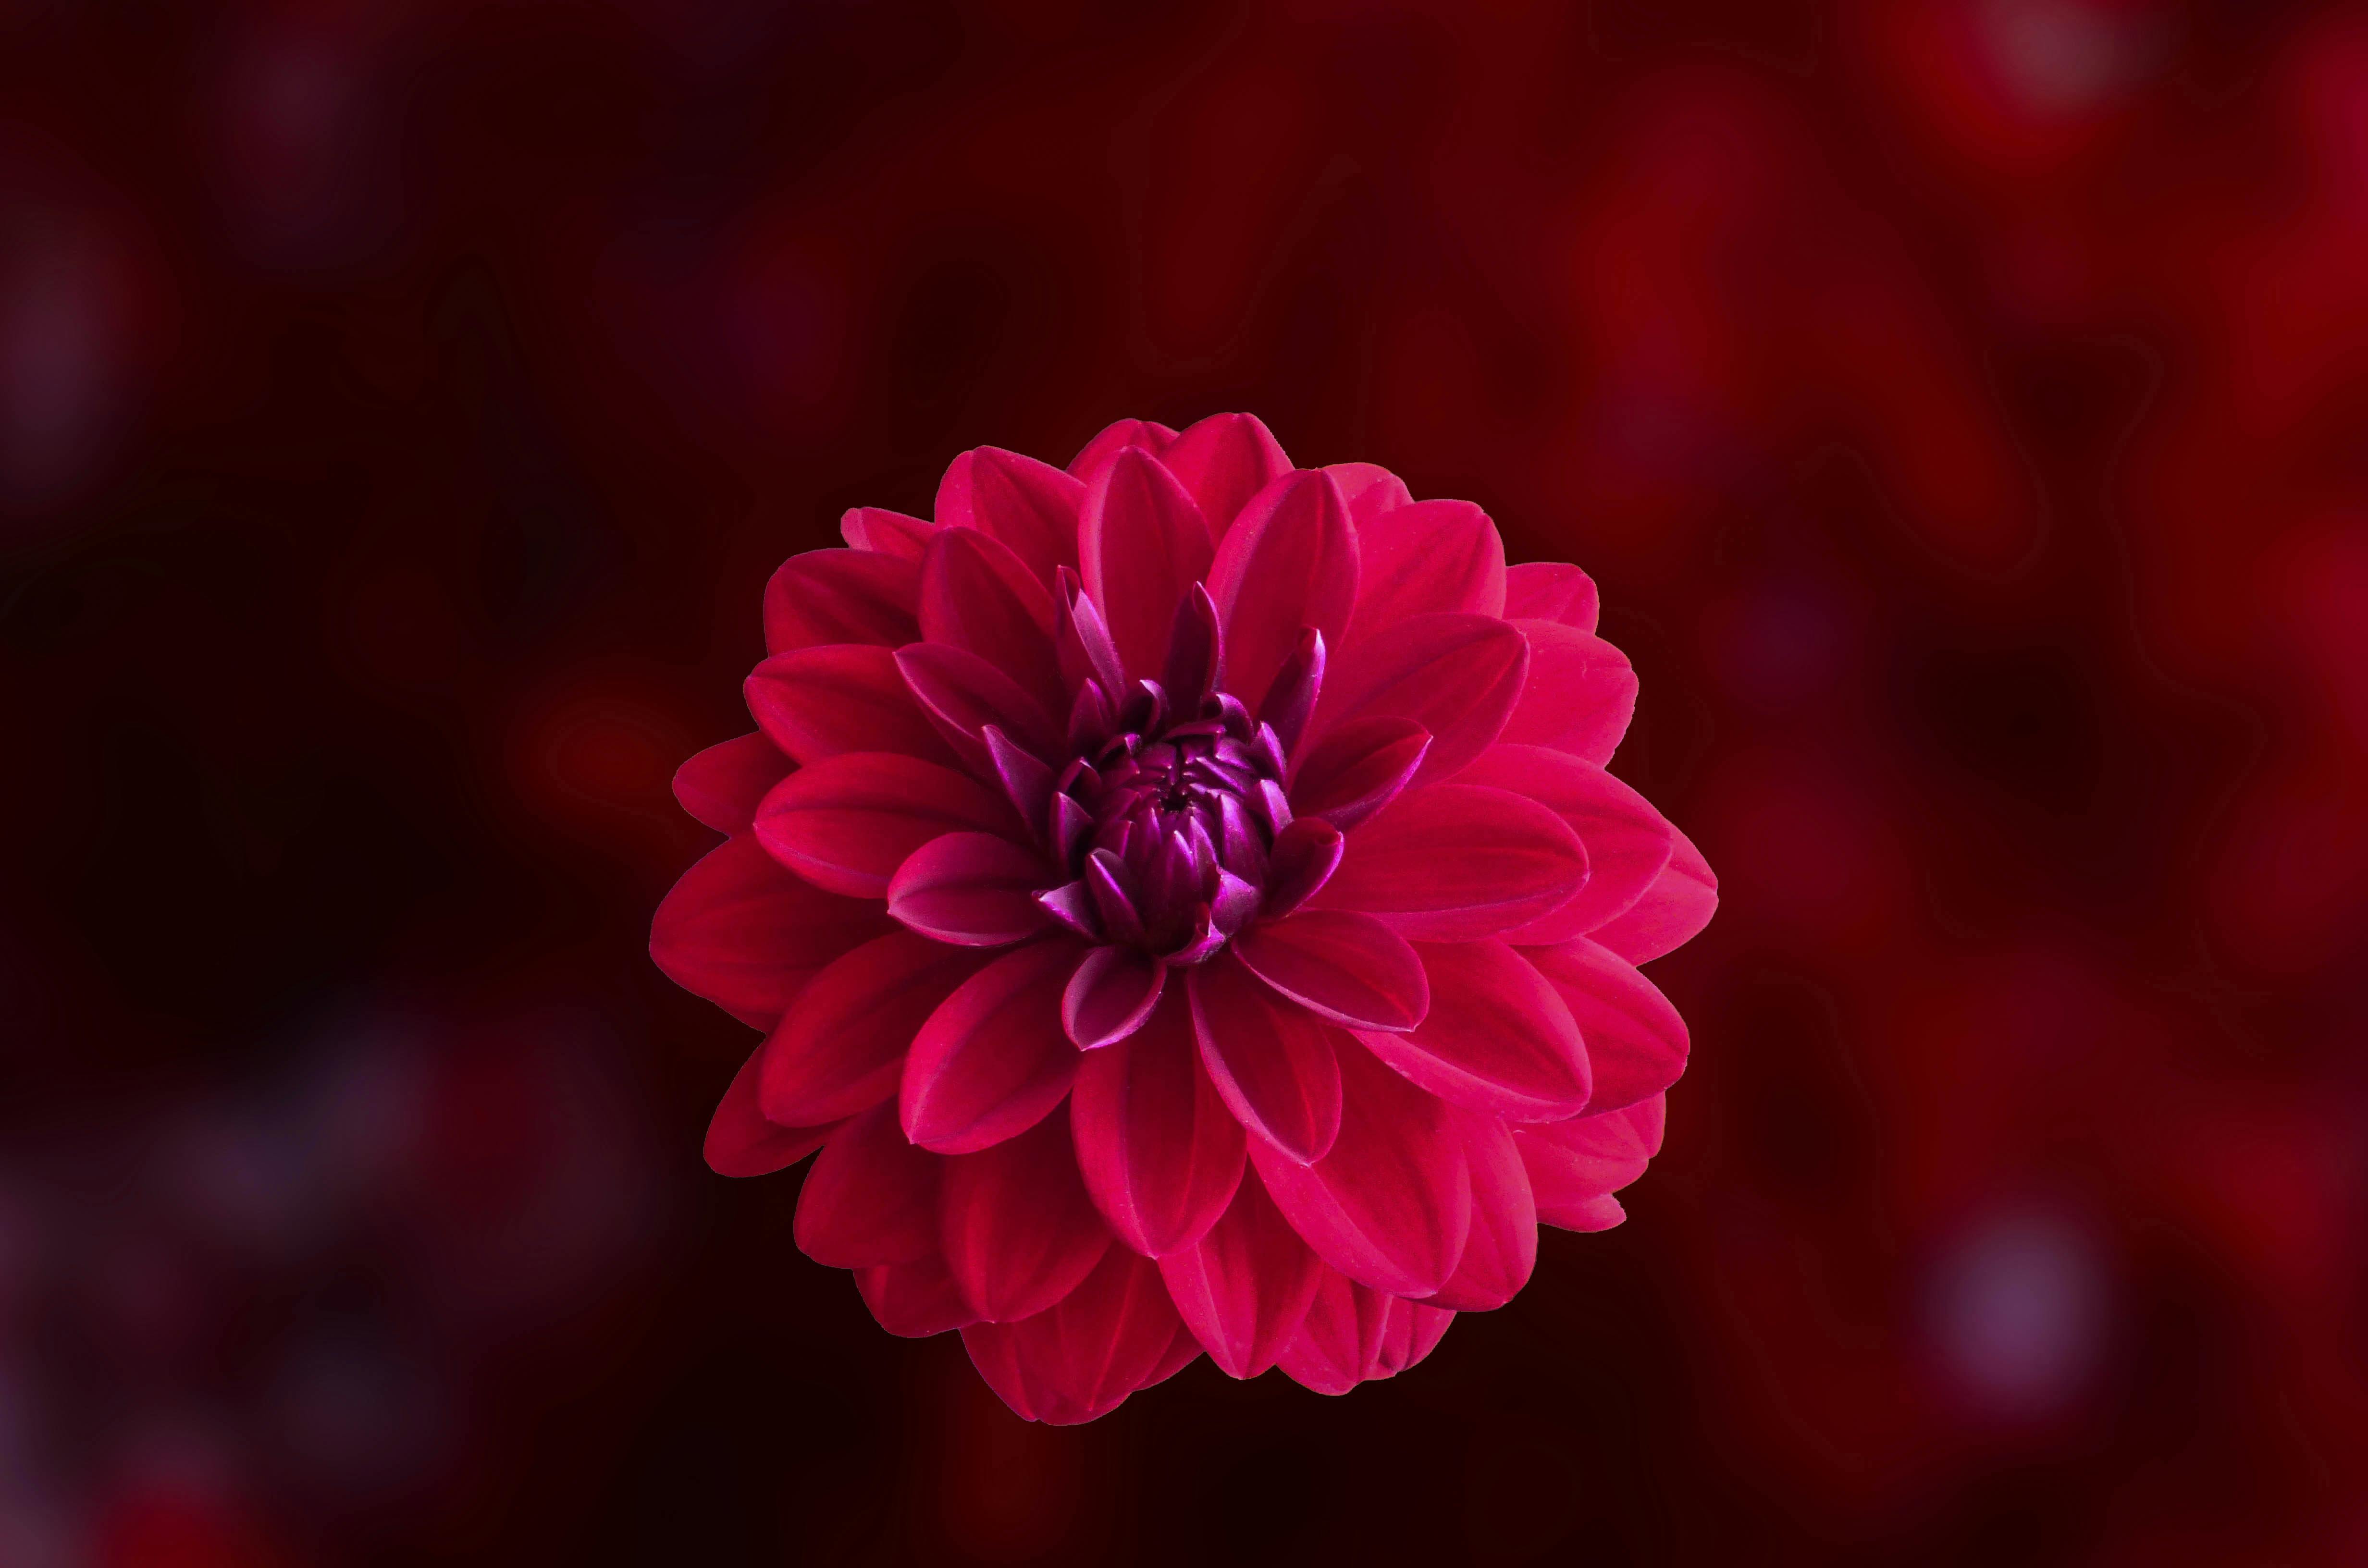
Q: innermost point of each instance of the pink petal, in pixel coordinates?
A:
(1352, 1335)
(841, 1046)
(1551, 590)
(1031, 507)
(1346, 967)
(1224, 461)
(742, 932)
(740, 1143)
(962, 695)
(1359, 766)
(1503, 1247)
(885, 532)
(978, 596)
(1670, 913)
(1627, 841)
(847, 822)
(1636, 1043)
(1498, 1037)
(1428, 558)
(1079, 1360)
(991, 1061)
(1574, 1166)
(1590, 1214)
(1157, 1148)
(871, 1198)
(841, 596)
(818, 702)
(1580, 695)
(1110, 995)
(973, 890)
(1182, 1351)
(1456, 676)
(1454, 862)
(1370, 489)
(721, 785)
(1017, 1229)
(1273, 1063)
(1289, 562)
(1391, 1204)
(1143, 544)
(915, 1300)
(1305, 854)
(1245, 1288)
(1150, 435)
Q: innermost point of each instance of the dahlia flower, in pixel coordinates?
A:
(1188, 911)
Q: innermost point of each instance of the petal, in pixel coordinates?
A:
(885, 532)
(1157, 1148)
(977, 596)
(1108, 1337)
(1551, 590)
(740, 1143)
(1454, 862)
(1346, 967)
(742, 932)
(1017, 1229)
(973, 890)
(992, 1060)
(1370, 489)
(840, 1048)
(1110, 995)
(1636, 1043)
(1029, 506)
(1273, 1064)
(1457, 676)
(1502, 1249)
(1428, 558)
(1574, 1166)
(1580, 695)
(1244, 1287)
(818, 702)
(1498, 1037)
(1391, 1204)
(1224, 461)
(1627, 841)
(915, 1300)
(1142, 543)
(1360, 765)
(962, 695)
(841, 596)
(721, 785)
(1306, 852)
(847, 822)
(871, 1198)
(1290, 562)
(1150, 435)
(1352, 1335)
(1668, 914)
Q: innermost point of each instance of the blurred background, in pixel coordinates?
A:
(1963, 404)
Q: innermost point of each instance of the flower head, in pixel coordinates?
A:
(1188, 911)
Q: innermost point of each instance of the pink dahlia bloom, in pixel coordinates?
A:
(1188, 911)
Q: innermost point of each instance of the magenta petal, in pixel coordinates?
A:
(1551, 590)
(1574, 1166)
(1290, 699)
(871, 1198)
(1430, 558)
(1353, 1335)
(746, 935)
(1159, 1149)
(962, 694)
(1346, 967)
(1110, 995)
(1669, 913)
(740, 1143)
(1454, 862)
(1391, 1205)
(818, 702)
(1080, 1360)
(840, 1048)
(1498, 1037)
(1029, 506)
(1272, 1062)
(1224, 461)
(1370, 489)
(977, 596)
(841, 596)
(1288, 562)
(1580, 695)
(848, 821)
(1456, 676)
(1143, 544)
(1017, 1229)
(885, 532)
(1305, 854)
(1502, 1249)
(1245, 1288)
(992, 1060)
(721, 786)
(915, 1300)
(1636, 1043)
(1148, 433)
(973, 890)
(1627, 841)
(1359, 766)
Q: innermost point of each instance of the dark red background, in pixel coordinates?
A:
(1963, 404)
